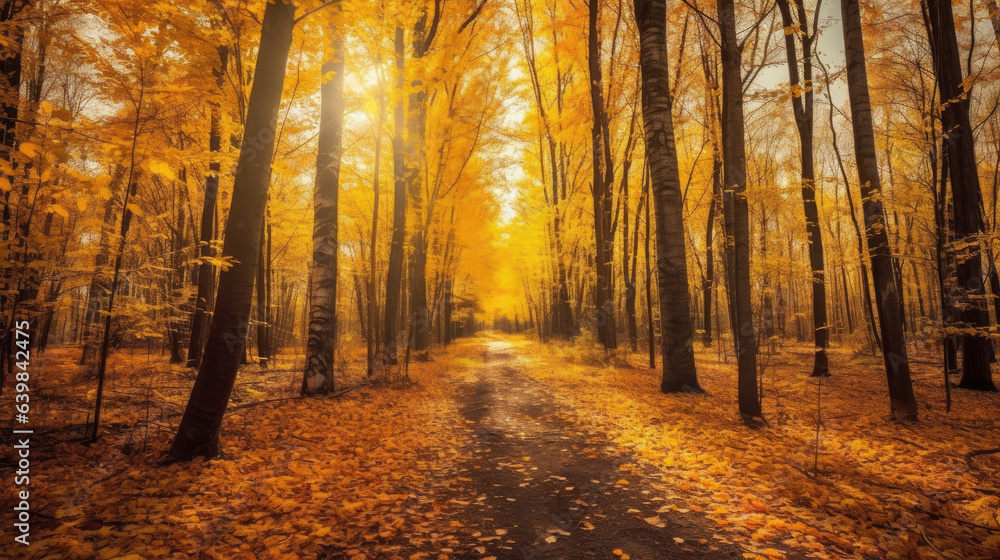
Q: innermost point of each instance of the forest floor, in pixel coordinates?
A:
(502, 447)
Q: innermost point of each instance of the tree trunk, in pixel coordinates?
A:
(648, 272)
(264, 294)
(802, 105)
(175, 277)
(903, 405)
(859, 239)
(394, 274)
(416, 124)
(710, 69)
(198, 433)
(959, 155)
(629, 255)
(447, 312)
(205, 300)
(97, 291)
(318, 376)
(676, 330)
(735, 177)
(372, 340)
(102, 361)
(603, 178)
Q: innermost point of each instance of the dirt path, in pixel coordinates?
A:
(542, 486)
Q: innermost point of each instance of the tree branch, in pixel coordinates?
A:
(703, 17)
(472, 16)
(756, 24)
(314, 10)
(435, 20)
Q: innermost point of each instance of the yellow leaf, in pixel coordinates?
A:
(161, 168)
(45, 106)
(4, 184)
(134, 208)
(81, 203)
(28, 149)
(58, 209)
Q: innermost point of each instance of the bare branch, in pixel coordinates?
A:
(472, 16)
(314, 10)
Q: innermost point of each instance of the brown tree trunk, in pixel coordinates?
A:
(710, 69)
(603, 178)
(97, 291)
(959, 155)
(735, 180)
(630, 256)
(205, 300)
(394, 274)
(416, 124)
(175, 277)
(372, 339)
(802, 105)
(903, 405)
(708, 284)
(198, 433)
(264, 293)
(648, 271)
(676, 330)
(859, 238)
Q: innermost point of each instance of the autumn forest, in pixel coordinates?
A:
(500, 279)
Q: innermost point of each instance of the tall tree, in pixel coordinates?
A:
(677, 332)
(322, 343)
(198, 433)
(416, 137)
(372, 307)
(959, 157)
(709, 64)
(859, 237)
(603, 178)
(897, 368)
(205, 299)
(394, 274)
(738, 216)
(802, 105)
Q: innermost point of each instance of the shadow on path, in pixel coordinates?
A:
(542, 486)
